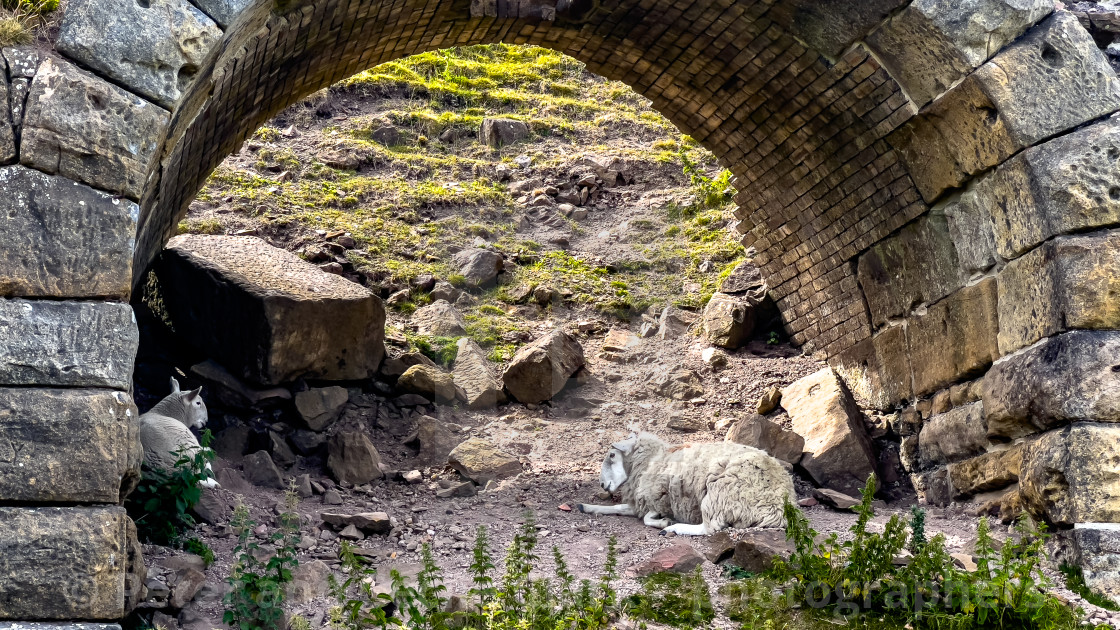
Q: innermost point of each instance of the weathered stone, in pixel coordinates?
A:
(970, 227)
(73, 344)
(769, 400)
(932, 44)
(154, 48)
(472, 374)
(67, 563)
(686, 423)
(835, 499)
(1068, 282)
(8, 98)
(429, 382)
(1070, 377)
(23, 61)
(916, 266)
(678, 384)
(185, 584)
(1097, 549)
(461, 489)
(222, 11)
(541, 369)
(497, 132)
(831, 28)
(445, 291)
(728, 320)
(479, 267)
(755, 552)
(320, 406)
(769, 436)
(1070, 475)
(679, 558)
(990, 471)
(480, 461)
(367, 522)
(282, 318)
(309, 582)
(674, 322)
(878, 369)
(212, 508)
(232, 391)
(67, 445)
(434, 440)
(955, 339)
(307, 442)
(949, 437)
(745, 278)
(1069, 184)
(837, 451)
(439, 319)
(933, 487)
(109, 146)
(261, 471)
(352, 458)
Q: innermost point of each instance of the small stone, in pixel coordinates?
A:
(769, 401)
(680, 558)
(463, 489)
(350, 532)
(260, 471)
(352, 458)
(715, 358)
(687, 424)
(412, 477)
(835, 499)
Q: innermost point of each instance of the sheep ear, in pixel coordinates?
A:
(625, 446)
(193, 394)
(174, 385)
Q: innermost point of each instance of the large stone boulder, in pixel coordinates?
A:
(480, 461)
(837, 450)
(541, 369)
(957, 434)
(728, 320)
(1067, 378)
(439, 319)
(68, 563)
(67, 445)
(497, 132)
(678, 384)
(320, 406)
(1070, 475)
(265, 314)
(427, 381)
(153, 48)
(352, 458)
(769, 436)
(69, 344)
(479, 267)
(472, 374)
(61, 239)
(110, 147)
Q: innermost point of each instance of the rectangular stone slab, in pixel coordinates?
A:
(59, 238)
(67, 445)
(955, 339)
(73, 344)
(66, 563)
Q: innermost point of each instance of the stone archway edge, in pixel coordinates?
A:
(843, 123)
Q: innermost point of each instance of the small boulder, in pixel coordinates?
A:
(678, 384)
(463, 489)
(498, 132)
(185, 584)
(768, 436)
(352, 458)
(674, 323)
(746, 279)
(541, 369)
(728, 320)
(434, 440)
(471, 372)
(320, 406)
(260, 471)
(386, 135)
(479, 267)
(680, 558)
(687, 424)
(366, 522)
(445, 291)
(835, 499)
(307, 442)
(427, 381)
(439, 319)
(715, 358)
(211, 507)
(769, 401)
(480, 461)
(755, 552)
(309, 582)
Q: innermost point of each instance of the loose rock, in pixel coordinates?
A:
(352, 458)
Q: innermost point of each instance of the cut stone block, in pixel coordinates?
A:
(266, 315)
(67, 445)
(952, 436)
(1069, 282)
(59, 238)
(1071, 377)
(878, 369)
(829, 28)
(955, 339)
(85, 128)
(1072, 475)
(68, 563)
(970, 227)
(990, 471)
(1097, 547)
(155, 47)
(71, 344)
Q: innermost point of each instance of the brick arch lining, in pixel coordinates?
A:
(930, 188)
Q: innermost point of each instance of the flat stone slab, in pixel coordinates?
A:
(67, 445)
(59, 238)
(72, 344)
(67, 563)
(109, 146)
(266, 315)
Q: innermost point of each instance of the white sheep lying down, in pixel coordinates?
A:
(704, 487)
(166, 428)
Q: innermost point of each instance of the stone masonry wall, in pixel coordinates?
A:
(929, 187)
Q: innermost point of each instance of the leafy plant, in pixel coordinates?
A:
(161, 503)
(675, 600)
(257, 586)
(710, 193)
(1075, 581)
(196, 546)
(359, 607)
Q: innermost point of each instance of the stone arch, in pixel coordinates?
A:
(928, 187)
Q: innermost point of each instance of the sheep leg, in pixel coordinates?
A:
(686, 529)
(651, 519)
(622, 509)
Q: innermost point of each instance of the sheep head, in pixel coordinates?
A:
(614, 473)
(194, 408)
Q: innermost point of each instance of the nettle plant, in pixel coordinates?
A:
(162, 501)
(257, 578)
